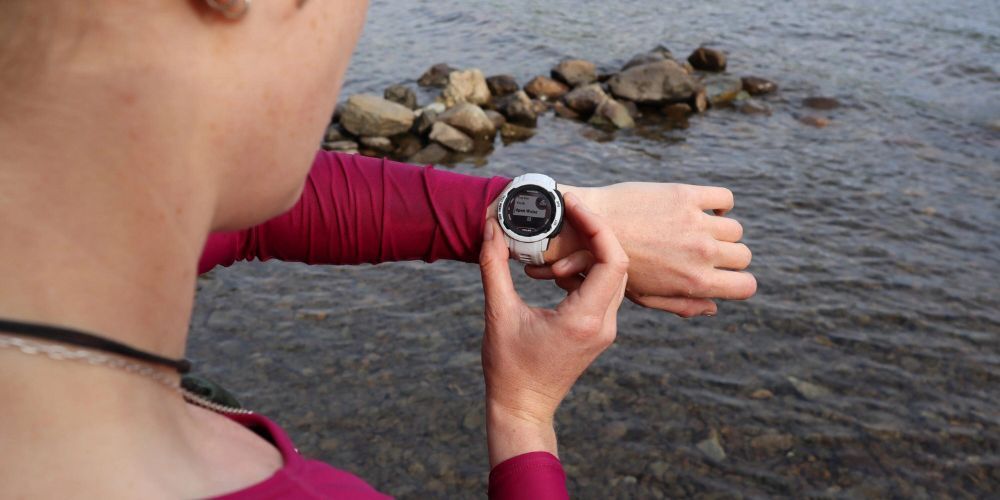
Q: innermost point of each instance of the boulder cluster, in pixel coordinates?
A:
(472, 109)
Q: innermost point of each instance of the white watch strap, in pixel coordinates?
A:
(528, 253)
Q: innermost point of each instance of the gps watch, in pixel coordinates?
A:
(530, 212)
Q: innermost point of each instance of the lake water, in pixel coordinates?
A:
(876, 244)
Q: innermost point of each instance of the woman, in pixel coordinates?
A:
(131, 130)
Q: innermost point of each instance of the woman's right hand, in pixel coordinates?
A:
(532, 356)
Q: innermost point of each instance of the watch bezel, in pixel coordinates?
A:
(553, 227)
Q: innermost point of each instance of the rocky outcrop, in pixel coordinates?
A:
(436, 76)
(706, 59)
(518, 109)
(584, 100)
(451, 138)
(401, 94)
(758, 86)
(660, 53)
(466, 86)
(660, 82)
(575, 72)
(370, 115)
(471, 120)
(542, 87)
(502, 85)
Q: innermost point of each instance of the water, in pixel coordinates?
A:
(876, 244)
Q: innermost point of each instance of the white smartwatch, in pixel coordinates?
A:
(530, 212)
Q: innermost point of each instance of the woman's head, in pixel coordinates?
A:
(234, 106)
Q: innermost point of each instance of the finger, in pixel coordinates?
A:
(540, 272)
(569, 283)
(575, 263)
(724, 228)
(498, 287)
(681, 306)
(610, 260)
(734, 256)
(718, 199)
(730, 285)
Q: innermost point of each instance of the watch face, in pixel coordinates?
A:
(528, 211)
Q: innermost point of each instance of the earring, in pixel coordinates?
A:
(232, 9)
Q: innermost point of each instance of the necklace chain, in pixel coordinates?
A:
(63, 353)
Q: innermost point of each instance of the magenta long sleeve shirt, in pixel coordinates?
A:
(357, 210)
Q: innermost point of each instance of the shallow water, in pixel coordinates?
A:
(876, 244)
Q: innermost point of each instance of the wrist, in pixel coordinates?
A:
(511, 433)
(568, 240)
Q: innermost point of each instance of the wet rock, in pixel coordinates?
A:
(466, 86)
(518, 109)
(496, 117)
(584, 100)
(758, 86)
(722, 89)
(515, 133)
(762, 394)
(655, 83)
(542, 87)
(436, 76)
(426, 117)
(659, 53)
(821, 103)
(564, 111)
(432, 153)
(699, 101)
(473, 419)
(677, 110)
(471, 120)
(501, 85)
(612, 113)
(633, 109)
(814, 121)
(809, 390)
(614, 431)
(706, 59)
(401, 94)
(344, 146)
(773, 444)
(540, 106)
(753, 108)
(712, 448)
(334, 134)
(451, 138)
(575, 72)
(378, 144)
(371, 115)
(407, 145)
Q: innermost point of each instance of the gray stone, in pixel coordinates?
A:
(655, 83)
(575, 72)
(706, 59)
(660, 53)
(758, 86)
(470, 119)
(451, 138)
(401, 94)
(371, 115)
(436, 76)
(426, 116)
(712, 448)
(466, 86)
(496, 117)
(433, 153)
(515, 133)
(380, 144)
(564, 111)
(585, 99)
(501, 85)
(809, 390)
(722, 90)
(612, 113)
(518, 109)
(541, 87)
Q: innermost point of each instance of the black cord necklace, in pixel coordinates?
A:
(90, 341)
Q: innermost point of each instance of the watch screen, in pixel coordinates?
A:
(528, 211)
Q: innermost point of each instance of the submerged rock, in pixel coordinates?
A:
(371, 115)
(809, 390)
(575, 72)
(722, 90)
(758, 86)
(466, 86)
(401, 94)
(706, 59)
(821, 103)
(654, 83)
(470, 119)
(451, 138)
(501, 85)
(542, 87)
(433, 153)
(712, 448)
(814, 121)
(518, 109)
(585, 99)
(515, 133)
(773, 444)
(436, 76)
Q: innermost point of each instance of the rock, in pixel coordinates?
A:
(758, 86)
(471, 120)
(772, 444)
(473, 419)
(426, 116)
(542, 87)
(614, 431)
(809, 390)
(466, 86)
(563, 111)
(575, 72)
(371, 115)
(712, 448)
(633, 109)
(722, 89)
(585, 99)
(496, 117)
(707, 59)
(821, 103)
(344, 146)
(540, 106)
(518, 109)
(436, 76)
(333, 134)
(401, 94)
(655, 83)
(762, 394)
(407, 145)
(451, 138)
(677, 113)
(515, 133)
(433, 153)
(752, 108)
(814, 121)
(501, 85)
(613, 113)
(699, 101)
(659, 53)
(379, 144)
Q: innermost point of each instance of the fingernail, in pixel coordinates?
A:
(562, 264)
(709, 314)
(488, 233)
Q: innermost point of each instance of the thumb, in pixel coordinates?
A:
(498, 286)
